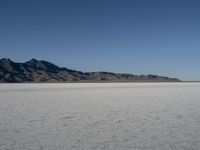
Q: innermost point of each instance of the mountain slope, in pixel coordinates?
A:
(43, 71)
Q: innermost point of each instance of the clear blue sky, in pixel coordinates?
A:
(130, 36)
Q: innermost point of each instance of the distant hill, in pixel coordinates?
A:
(43, 71)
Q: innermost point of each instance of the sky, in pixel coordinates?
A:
(125, 36)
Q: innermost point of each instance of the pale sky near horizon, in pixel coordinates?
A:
(127, 36)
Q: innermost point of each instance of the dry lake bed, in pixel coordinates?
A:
(100, 116)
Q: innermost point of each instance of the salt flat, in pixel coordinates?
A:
(100, 116)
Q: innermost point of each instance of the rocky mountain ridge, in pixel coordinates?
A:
(43, 71)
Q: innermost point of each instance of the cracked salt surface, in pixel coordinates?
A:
(100, 116)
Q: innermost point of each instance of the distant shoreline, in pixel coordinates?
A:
(100, 82)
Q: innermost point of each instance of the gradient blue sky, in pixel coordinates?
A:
(130, 36)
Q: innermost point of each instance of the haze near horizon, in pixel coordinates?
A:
(139, 37)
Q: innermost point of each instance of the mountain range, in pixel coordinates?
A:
(43, 71)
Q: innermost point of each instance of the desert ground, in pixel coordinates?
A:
(100, 116)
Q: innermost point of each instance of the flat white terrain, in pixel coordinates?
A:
(100, 116)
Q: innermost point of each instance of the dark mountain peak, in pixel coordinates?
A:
(42, 65)
(5, 60)
(8, 69)
(6, 63)
(33, 61)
